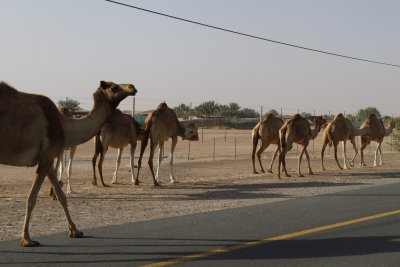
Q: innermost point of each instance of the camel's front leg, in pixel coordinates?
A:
(171, 160)
(69, 169)
(259, 152)
(344, 156)
(160, 155)
(117, 164)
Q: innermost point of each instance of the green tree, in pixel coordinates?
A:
(183, 111)
(229, 110)
(248, 113)
(207, 109)
(363, 114)
(71, 104)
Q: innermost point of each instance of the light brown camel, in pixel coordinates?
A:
(341, 129)
(120, 132)
(159, 126)
(267, 131)
(60, 166)
(297, 130)
(377, 132)
(34, 132)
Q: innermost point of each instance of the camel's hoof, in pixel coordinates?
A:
(156, 184)
(105, 185)
(174, 182)
(270, 171)
(323, 169)
(29, 243)
(262, 171)
(288, 175)
(94, 183)
(255, 172)
(300, 175)
(311, 173)
(136, 183)
(75, 234)
(114, 182)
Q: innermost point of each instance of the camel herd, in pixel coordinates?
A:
(37, 133)
(272, 130)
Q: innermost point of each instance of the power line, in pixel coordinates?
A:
(254, 36)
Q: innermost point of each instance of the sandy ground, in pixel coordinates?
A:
(209, 179)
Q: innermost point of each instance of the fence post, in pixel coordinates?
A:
(235, 147)
(226, 128)
(189, 152)
(214, 149)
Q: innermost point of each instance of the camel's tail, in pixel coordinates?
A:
(282, 137)
(329, 135)
(145, 134)
(255, 135)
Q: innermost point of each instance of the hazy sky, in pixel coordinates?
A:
(64, 48)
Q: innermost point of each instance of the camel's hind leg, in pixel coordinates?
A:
(150, 162)
(117, 164)
(160, 156)
(353, 142)
(344, 156)
(380, 154)
(335, 145)
(309, 164)
(322, 154)
(273, 159)
(363, 146)
(259, 152)
(299, 162)
(171, 160)
(132, 160)
(73, 231)
(41, 172)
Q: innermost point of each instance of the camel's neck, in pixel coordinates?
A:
(388, 131)
(78, 131)
(180, 129)
(315, 131)
(362, 131)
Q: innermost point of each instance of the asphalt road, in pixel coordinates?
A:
(375, 242)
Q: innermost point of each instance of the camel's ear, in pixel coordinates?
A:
(104, 85)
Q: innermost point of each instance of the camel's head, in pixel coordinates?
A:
(392, 124)
(319, 121)
(115, 93)
(191, 133)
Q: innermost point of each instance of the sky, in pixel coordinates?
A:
(64, 48)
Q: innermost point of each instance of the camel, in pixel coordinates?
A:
(297, 130)
(377, 132)
(268, 131)
(60, 166)
(159, 126)
(34, 132)
(120, 132)
(341, 129)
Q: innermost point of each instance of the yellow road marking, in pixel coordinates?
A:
(209, 253)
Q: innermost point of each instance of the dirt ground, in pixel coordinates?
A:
(211, 177)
